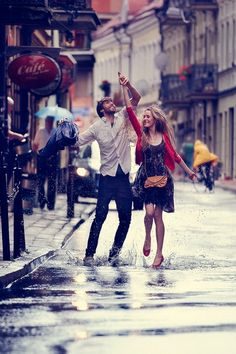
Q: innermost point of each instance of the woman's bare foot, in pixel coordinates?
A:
(147, 246)
(157, 261)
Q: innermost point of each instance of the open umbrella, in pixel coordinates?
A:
(55, 111)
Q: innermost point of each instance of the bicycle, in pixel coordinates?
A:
(205, 175)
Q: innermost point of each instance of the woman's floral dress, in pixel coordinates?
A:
(153, 165)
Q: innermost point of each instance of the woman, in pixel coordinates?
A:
(155, 153)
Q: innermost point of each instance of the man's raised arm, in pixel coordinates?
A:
(133, 91)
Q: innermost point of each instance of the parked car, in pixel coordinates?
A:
(86, 164)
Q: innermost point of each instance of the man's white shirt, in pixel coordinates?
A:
(113, 141)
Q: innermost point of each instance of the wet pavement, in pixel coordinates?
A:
(188, 306)
(45, 233)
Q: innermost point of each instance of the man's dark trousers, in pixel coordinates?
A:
(47, 169)
(117, 188)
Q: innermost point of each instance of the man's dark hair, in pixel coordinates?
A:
(52, 118)
(100, 106)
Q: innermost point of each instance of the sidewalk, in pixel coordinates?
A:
(45, 233)
(229, 185)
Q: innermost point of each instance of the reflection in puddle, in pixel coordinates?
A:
(68, 306)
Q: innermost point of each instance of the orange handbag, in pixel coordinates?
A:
(155, 181)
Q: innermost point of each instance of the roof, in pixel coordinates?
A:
(136, 8)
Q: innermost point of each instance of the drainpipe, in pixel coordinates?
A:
(120, 49)
(130, 51)
(161, 45)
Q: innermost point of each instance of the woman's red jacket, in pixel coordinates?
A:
(170, 157)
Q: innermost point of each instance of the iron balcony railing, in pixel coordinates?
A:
(60, 4)
(202, 2)
(173, 89)
(70, 4)
(201, 80)
(49, 14)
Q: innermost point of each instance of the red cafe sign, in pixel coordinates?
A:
(33, 71)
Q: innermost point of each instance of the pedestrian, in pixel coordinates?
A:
(188, 151)
(112, 135)
(156, 155)
(46, 167)
(203, 163)
(13, 137)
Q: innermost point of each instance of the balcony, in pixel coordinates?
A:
(204, 5)
(174, 90)
(200, 83)
(177, 8)
(49, 14)
(172, 17)
(70, 4)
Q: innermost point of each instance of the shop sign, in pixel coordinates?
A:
(33, 71)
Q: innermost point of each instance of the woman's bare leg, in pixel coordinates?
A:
(148, 221)
(160, 232)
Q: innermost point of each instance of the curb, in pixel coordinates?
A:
(7, 279)
(74, 228)
(226, 188)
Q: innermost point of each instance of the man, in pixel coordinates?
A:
(111, 133)
(46, 168)
(11, 134)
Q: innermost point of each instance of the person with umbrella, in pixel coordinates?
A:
(46, 168)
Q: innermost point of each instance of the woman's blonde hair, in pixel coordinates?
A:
(162, 125)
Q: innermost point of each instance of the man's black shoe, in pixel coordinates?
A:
(113, 258)
(42, 203)
(89, 261)
(114, 261)
(50, 206)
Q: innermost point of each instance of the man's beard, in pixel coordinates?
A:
(110, 111)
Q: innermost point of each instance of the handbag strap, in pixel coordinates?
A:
(145, 164)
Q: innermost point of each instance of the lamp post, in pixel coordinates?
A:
(3, 146)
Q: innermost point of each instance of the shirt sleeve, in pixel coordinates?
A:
(86, 137)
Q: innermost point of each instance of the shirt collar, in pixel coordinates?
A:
(104, 118)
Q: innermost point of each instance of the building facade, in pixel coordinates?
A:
(184, 58)
(198, 84)
(130, 48)
(226, 117)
